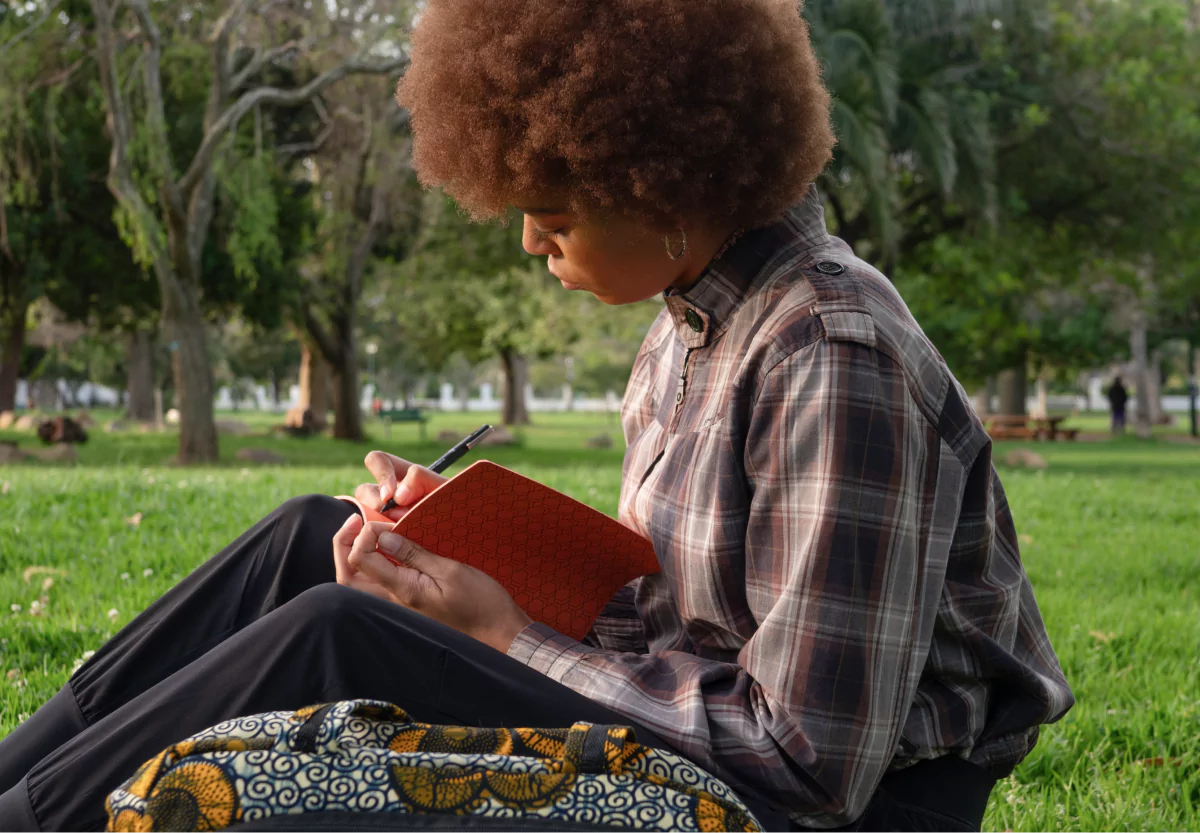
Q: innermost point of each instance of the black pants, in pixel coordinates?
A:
(260, 627)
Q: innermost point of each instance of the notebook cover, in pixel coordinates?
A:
(560, 559)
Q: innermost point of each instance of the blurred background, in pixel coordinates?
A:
(213, 201)
(213, 251)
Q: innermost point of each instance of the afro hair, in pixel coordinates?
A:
(708, 111)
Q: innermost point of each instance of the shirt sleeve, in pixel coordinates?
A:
(619, 627)
(842, 470)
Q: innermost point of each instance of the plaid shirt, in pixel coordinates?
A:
(841, 590)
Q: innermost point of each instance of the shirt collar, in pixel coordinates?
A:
(703, 311)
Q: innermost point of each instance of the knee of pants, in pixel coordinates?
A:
(329, 605)
(332, 608)
(308, 508)
(310, 518)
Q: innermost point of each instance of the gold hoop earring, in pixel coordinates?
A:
(682, 251)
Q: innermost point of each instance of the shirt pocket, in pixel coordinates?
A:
(641, 460)
(694, 505)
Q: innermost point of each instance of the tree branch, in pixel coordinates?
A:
(160, 153)
(56, 78)
(202, 161)
(29, 30)
(229, 21)
(261, 58)
(330, 351)
(359, 258)
(120, 175)
(305, 148)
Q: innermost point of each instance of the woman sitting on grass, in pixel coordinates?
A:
(842, 628)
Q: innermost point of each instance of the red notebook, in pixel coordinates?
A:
(560, 559)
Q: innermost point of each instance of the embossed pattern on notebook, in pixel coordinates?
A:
(560, 559)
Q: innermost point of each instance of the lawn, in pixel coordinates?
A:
(1111, 535)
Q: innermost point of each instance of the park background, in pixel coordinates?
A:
(207, 208)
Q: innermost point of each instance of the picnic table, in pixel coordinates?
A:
(402, 415)
(1008, 427)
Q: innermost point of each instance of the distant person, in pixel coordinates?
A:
(1117, 399)
(842, 630)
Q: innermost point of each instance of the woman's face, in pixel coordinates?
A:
(615, 259)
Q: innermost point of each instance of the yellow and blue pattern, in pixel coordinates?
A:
(365, 756)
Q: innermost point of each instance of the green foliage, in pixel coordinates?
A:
(1093, 110)
(470, 289)
(247, 350)
(911, 127)
(62, 241)
(992, 302)
(248, 188)
(98, 358)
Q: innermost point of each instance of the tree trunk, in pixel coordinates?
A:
(1141, 375)
(1193, 386)
(516, 374)
(141, 376)
(1011, 386)
(1154, 394)
(347, 411)
(314, 384)
(12, 331)
(192, 372)
(1043, 399)
(982, 401)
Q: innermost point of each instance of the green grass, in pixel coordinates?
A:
(1111, 536)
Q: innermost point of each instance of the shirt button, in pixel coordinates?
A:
(693, 320)
(678, 397)
(828, 267)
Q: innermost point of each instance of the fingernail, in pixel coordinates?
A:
(385, 492)
(390, 542)
(402, 495)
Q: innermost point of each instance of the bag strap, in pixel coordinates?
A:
(597, 749)
(304, 735)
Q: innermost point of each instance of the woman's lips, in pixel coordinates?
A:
(566, 284)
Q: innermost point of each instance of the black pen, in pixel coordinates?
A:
(448, 459)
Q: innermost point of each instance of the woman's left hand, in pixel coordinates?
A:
(454, 594)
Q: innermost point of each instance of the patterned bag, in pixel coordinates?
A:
(357, 759)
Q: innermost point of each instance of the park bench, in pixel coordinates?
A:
(1005, 427)
(403, 415)
(1001, 427)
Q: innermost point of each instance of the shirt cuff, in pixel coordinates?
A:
(546, 650)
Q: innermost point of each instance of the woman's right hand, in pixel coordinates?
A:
(406, 481)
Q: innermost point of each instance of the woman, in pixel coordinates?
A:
(842, 628)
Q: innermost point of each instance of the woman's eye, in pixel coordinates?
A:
(545, 233)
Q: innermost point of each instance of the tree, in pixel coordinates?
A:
(1094, 123)
(914, 137)
(470, 289)
(40, 60)
(365, 195)
(165, 210)
(1008, 302)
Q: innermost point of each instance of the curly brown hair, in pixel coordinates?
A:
(663, 110)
